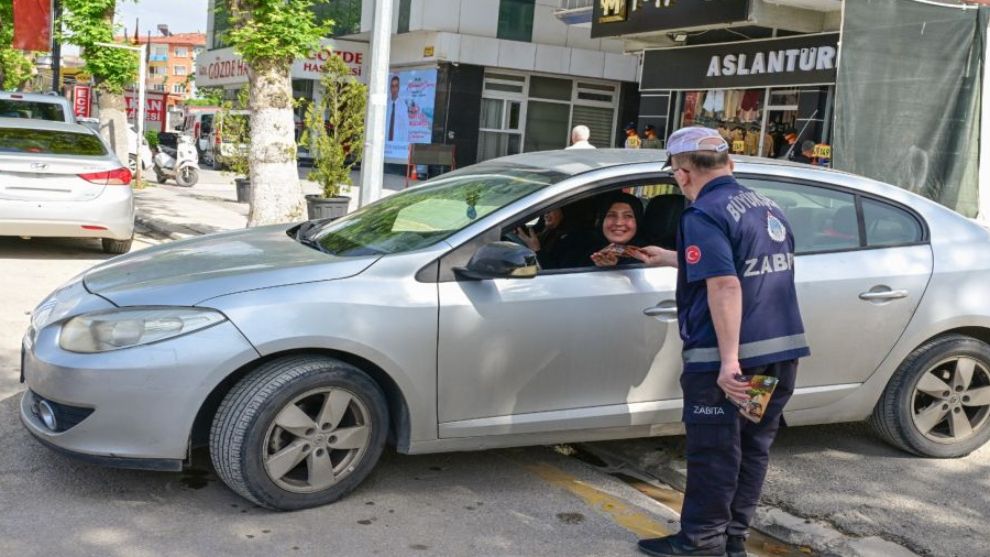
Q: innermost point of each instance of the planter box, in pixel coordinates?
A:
(319, 207)
(243, 186)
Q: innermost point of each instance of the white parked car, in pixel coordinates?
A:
(62, 180)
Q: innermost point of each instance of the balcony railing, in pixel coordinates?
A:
(575, 12)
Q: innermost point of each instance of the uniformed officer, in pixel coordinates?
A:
(738, 315)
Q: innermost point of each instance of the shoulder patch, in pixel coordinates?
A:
(692, 255)
(775, 228)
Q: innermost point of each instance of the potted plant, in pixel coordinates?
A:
(334, 132)
(232, 127)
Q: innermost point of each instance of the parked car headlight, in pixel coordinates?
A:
(122, 328)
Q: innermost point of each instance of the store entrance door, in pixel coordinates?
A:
(779, 118)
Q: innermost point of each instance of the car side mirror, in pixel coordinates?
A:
(500, 260)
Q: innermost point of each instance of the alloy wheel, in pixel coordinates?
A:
(951, 400)
(316, 439)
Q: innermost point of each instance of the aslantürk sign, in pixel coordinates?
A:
(804, 60)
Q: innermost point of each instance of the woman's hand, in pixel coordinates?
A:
(531, 238)
(606, 257)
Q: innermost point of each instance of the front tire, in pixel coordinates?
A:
(937, 404)
(299, 432)
(187, 176)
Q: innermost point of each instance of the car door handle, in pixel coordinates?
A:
(657, 311)
(883, 295)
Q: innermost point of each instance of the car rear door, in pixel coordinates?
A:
(862, 266)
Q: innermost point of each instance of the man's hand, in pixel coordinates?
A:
(530, 237)
(728, 380)
(655, 256)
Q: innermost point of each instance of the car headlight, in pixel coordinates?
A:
(122, 328)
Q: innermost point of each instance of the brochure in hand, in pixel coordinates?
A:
(760, 389)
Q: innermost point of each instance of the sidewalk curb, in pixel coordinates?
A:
(164, 228)
(819, 535)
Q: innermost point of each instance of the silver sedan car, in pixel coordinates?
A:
(296, 351)
(60, 179)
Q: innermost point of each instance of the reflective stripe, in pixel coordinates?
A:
(748, 350)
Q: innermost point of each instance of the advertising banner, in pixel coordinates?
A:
(155, 107)
(81, 99)
(225, 67)
(409, 112)
(33, 25)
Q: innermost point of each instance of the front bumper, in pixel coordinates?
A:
(144, 399)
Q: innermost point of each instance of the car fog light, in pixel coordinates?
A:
(47, 414)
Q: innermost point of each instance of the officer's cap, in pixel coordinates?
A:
(695, 138)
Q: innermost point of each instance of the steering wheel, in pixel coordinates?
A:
(510, 235)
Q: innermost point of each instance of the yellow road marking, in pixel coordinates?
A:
(626, 516)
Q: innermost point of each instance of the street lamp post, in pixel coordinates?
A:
(373, 166)
(139, 117)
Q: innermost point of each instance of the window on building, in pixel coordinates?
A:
(179, 70)
(160, 87)
(346, 15)
(515, 20)
(405, 7)
(159, 50)
(181, 51)
(221, 24)
(179, 88)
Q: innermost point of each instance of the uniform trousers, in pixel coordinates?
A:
(727, 455)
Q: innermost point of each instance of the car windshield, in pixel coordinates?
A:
(32, 110)
(49, 142)
(424, 215)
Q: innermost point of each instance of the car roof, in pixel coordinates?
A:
(578, 161)
(50, 125)
(37, 97)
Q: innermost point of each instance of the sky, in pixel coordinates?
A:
(181, 16)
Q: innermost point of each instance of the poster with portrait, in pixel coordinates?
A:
(409, 111)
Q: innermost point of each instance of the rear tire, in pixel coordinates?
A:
(937, 404)
(299, 432)
(187, 177)
(117, 247)
(161, 177)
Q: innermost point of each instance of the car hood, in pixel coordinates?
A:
(190, 271)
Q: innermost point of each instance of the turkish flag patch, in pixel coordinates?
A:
(692, 254)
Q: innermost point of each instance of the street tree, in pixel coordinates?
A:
(15, 66)
(84, 24)
(269, 35)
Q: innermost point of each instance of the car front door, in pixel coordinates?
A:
(861, 268)
(569, 349)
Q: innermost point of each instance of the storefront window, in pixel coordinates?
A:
(763, 122)
(547, 126)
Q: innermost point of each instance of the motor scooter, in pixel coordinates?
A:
(180, 162)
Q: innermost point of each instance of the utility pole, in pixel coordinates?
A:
(373, 166)
(56, 47)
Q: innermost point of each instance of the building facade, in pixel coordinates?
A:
(490, 78)
(172, 64)
(889, 89)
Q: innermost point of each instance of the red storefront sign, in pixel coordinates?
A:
(33, 25)
(155, 106)
(81, 99)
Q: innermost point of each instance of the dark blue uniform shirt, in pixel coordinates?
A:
(732, 230)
